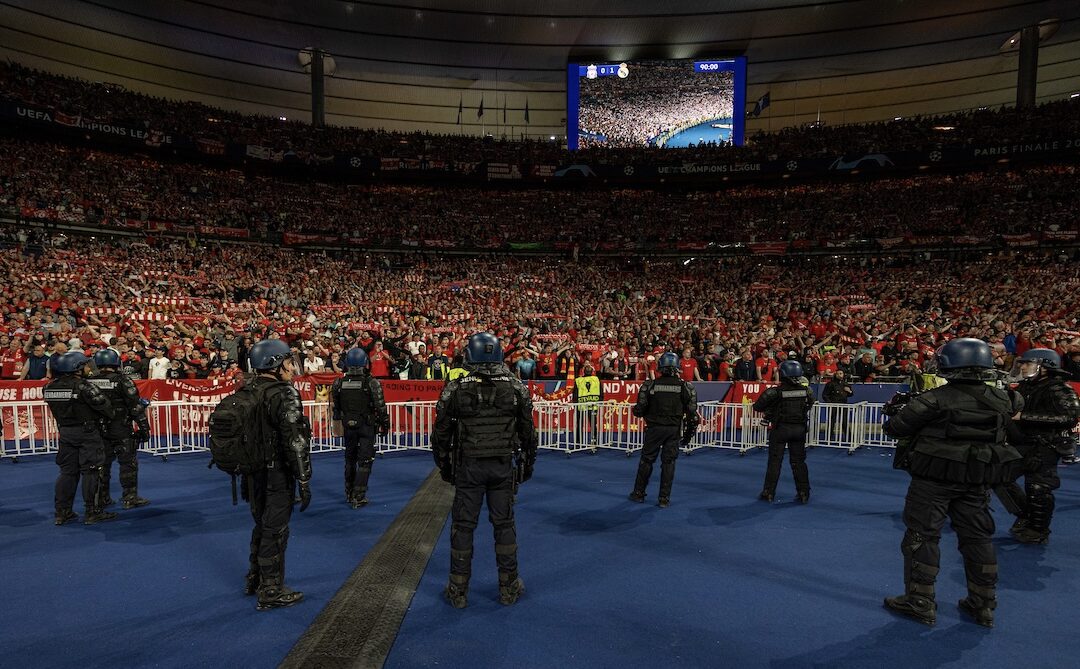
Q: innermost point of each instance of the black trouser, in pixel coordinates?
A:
(359, 454)
(791, 436)
(81, 454)
(120, 445)
(474, 479)
(1035, 502)
(929, 503)
(270, 493)
(662, 440)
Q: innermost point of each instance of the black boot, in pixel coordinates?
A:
(767, 496)
(511, 587)
(1019, 525)
(359, 498)
(804, 497)
(918, 604)
(457, 591)
(1030, 535)
(636, 496)
(64, 514)
(664, 502)
(95, 516)
(107, 502)
(273, 594)
(979, 608)
(131, 499)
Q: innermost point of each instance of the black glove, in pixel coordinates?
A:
(1032, 463)
(527, 469)
(142, 436)
(305, 495)
(445, 465)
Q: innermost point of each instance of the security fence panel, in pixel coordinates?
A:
(182, 427)
(871, 425)
(620, 429)
(29, 429)
(411, 424)
(836, 426)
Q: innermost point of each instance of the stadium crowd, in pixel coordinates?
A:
(174, 310)
(112, 103)
(656, 97)
(55, 182)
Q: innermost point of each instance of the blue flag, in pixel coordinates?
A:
(761, 104)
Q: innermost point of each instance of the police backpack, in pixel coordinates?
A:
(237, 443)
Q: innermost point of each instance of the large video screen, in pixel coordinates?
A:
(658, 103)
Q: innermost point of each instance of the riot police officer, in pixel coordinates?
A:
(79, 409)
(482, 421)
(120, 442)
(359, 410)
(787, 408)
(669, 406)
(956, 436)
(1051, 409)
(270, 490)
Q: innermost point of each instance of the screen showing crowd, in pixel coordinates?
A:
(673, 103)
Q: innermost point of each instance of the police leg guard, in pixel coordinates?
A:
(801, 474)
(641, 482)
(1040, 512)
(920, 573)
(64, 514)
(511, 587)
(667, 479)
(359, 491)
(457, 591)
(104, 478)
(95, 512)
(980, 603)
(129, 477)
(461, 562)
(251, 581)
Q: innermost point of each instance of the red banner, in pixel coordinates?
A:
(220, 231)
(296, 238)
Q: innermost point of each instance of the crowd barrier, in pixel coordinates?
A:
(179, 427)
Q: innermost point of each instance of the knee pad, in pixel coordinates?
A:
(913, 541)
(1039, 490)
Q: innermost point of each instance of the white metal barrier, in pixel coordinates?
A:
(182, 427)
(28, 429)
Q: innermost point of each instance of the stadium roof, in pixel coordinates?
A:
(409, 65)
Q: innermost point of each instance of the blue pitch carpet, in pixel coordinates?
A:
(717, 580)
(720, 579)
(161, 586)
